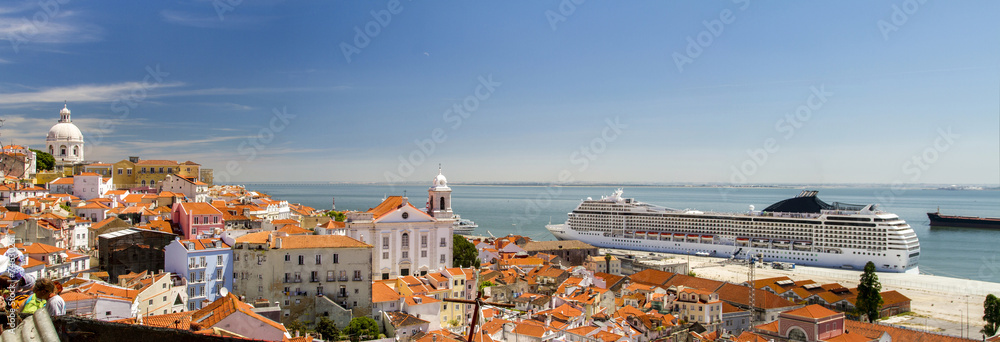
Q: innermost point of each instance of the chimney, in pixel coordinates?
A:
(277, 243)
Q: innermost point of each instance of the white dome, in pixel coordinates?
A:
(440, 181)
(65, 110)
(64, 131)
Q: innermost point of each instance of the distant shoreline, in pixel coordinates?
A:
(648, 185)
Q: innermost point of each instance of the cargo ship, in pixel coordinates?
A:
(938, 220)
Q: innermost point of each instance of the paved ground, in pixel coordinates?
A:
(938, 303)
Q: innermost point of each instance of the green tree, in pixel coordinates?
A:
(44, 161)
(362, 328)
(338, 216)
(297, 325)
(327, 329)
(464, 253)
(485, 284)
(991, 314)
(869, 301)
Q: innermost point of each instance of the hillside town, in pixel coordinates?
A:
(153, 246)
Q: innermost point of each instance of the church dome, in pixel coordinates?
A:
(440, 181)
(65, 131)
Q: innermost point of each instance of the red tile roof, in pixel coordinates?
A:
(221, 308)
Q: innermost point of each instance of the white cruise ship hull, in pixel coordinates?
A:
(811, 239)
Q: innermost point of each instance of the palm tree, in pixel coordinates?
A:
(607, 263)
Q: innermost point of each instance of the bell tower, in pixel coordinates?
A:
(439, 198)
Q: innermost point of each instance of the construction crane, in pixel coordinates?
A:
(478, 302)
(752, 258)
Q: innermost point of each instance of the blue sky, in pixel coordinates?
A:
(202, 81)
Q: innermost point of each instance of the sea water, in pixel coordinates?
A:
(525, 210)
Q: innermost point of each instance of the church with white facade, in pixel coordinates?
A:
(65, 141)
(407, 240)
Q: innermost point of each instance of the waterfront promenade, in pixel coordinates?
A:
(938, 303)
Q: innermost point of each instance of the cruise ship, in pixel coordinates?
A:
(802, 230)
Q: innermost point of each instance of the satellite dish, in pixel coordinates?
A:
(223, 292)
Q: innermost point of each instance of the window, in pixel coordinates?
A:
(423, 254)
(143, 170)
(314, 276)
(196, 220)
(170, 170)
(119, 171)
(161, 170)
(442, 258)
(288, 278)
(218, 260)
(150, 302)
(442, 204)
(302, 259)
(128, 171)
(357, 275)
(218, 274)
(406, 254)
(192, 262)
(329, 275)
(152, 183)
(443, 243)
(385, 255)
(406, 240)
(423, 241)
(336, 258)
(288, 257)
(385, 242)
(201, 260)
(319, 259)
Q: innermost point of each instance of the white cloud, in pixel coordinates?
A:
(23, 26)
(212, 20)
(82, 93)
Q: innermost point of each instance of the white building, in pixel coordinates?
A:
(65, 141)
(191, 187)
(89, 185)
(407, 240)
(79, 235)
(13, 193)
(23, 156)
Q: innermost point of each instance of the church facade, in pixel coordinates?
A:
(407, 240)
(65, 141)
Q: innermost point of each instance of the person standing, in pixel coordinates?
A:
(46, 289)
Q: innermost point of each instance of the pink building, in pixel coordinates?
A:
(197, 219)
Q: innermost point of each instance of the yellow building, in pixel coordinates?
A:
(134, 172)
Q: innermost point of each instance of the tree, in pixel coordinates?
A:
(464, 253)
(607, 263)
(485, 284)
(338, 216)
(991, 314)
(869, 301)
(297, 325)
(44, 161)
(328, 329)
(362, 328)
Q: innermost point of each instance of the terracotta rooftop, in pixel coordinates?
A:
(221, 308)
(400, 319)
(383, 293)
(814, 311)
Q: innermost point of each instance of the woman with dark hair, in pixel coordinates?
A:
(46, 289)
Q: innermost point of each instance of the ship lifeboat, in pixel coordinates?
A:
(784, 244)
(802, 245)
(693, 237)
(742, 241)
(678, 237)
(707, 237)
(760, 242)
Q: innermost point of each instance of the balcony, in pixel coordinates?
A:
(343, 278)
(341, 294)
(297, 280)
(358, 279)
(314, 279)
(330, 278)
